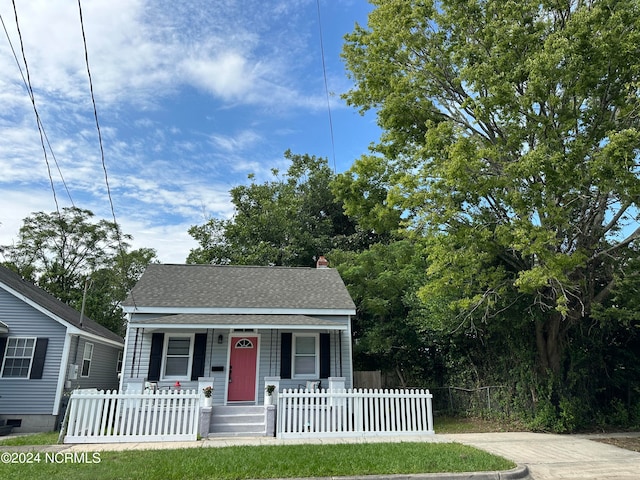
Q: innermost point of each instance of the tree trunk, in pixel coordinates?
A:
(549, 342)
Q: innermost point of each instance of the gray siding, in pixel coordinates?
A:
(102, 373)
(26, 396)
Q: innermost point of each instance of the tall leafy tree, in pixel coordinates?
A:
(65, 252)
(512, 131)
(287, 221)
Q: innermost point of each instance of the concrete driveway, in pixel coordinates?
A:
(558, 457)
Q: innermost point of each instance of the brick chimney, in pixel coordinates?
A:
(322, 262)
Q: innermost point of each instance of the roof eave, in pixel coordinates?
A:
(238, 311)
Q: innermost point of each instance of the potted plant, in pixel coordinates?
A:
(208, 392)
(269, 394)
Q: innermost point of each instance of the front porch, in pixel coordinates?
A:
(174, 352)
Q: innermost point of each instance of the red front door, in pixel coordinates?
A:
(242, 369)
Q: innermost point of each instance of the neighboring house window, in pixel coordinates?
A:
(178, 350)
(119, 362)
(18, 357)
(305, 356)
(86, 359)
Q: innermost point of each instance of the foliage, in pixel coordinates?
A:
(383, 281)
(510, 147)
(67, 252)
(289, 221)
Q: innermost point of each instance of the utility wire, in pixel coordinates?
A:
(24, 80)
(326, 88)
(104, 165)
(35, 110)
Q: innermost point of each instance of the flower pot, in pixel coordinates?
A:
(268, 400)
(208, 402)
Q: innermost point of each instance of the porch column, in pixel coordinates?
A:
(337, 384)
(135, 385)
(202, 383)
(275, 381)
(204, 417)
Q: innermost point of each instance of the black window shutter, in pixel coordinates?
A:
(285, 355)
(3, 345)
(155, 359)
(199, 352)
(325, 355)
(39, 356)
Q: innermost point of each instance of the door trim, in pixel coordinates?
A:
(233, 338)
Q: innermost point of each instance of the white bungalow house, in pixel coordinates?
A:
(46, 350)
(237, 326)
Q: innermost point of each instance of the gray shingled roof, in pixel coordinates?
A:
(239, 320)
(225, 286)
(53, 305)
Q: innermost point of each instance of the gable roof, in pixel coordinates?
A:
(54, 306)
(226, 286)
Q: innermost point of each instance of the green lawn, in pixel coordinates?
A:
(260, 462)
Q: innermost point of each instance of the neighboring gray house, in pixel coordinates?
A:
(238, 325)
(46, 350)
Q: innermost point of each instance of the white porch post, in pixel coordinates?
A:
(204, 417)
(275, 381)
(135, 385)
(336, 384)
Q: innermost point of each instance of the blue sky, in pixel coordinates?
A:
(191, 98)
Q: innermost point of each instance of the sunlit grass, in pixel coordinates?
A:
(281, 461)
(48, 438)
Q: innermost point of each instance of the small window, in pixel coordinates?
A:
(86, 359)
(244, 343)
(18, 357)
(305, 356)
(177, 356)
(119, 362)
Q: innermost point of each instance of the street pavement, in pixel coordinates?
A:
(539, 456)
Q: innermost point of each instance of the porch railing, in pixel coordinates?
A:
(110, 417)
(349, 412)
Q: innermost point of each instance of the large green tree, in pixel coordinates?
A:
(286, 221)
(512, 135)
(68, 252)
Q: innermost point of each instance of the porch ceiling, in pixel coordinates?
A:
(239, 321)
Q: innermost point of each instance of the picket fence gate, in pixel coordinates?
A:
(113, 417)
(353, 412)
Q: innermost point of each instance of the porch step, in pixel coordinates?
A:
(237, 420)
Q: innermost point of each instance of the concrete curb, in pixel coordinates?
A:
(521, 472)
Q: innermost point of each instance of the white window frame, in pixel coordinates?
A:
(168, 337)
(294, 355)
(87, 358)
(119, 361)
(5, 356)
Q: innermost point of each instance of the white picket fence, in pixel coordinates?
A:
(343, 413)
(111, 416)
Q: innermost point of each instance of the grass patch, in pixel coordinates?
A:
(446, 424)
(48, 438)
(279, 461)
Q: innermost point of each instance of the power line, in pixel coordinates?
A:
(24, 81)
(326, 87)
(33, 103)
(95, 114)
(104, 165)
